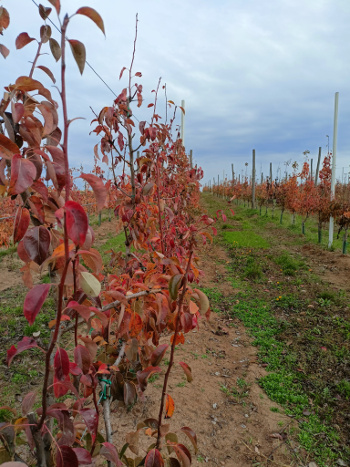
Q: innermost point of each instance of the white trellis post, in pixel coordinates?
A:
(335, 136)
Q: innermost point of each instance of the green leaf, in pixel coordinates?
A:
(90, 285)
(55, 49)
(174, 285)
(79, 53)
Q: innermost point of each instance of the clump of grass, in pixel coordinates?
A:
(327, 295)
(253, 270)
(344, 388)
(289, 264)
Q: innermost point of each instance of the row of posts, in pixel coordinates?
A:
(253, 175)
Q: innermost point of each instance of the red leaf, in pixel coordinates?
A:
(138, 74)
(83, 310)
(21, 224)
(25, 344)
(82, 358)
(4, 51)
(34, 300)
(4, 19)
(77, 222)
(74, 369)
(57, 5)
(110, 453)
(65, 455)
(84, 457)
(100, 191)
(169, 406)
(36, 243)
(224, 218)
(90, 417)
(23, 39)
(40, 188)
(191, 435)
(143, 375)
(28, 402)
(158, 354)
(61, 388)
(154, 459)
(48, 72)
(61, 364)
(7, 147)
(187, 322)
(17, 111)
(93, 15)
(23, 173)
(233, 213)
(183, 454)
(122, 71)
(150, 105)
(44, 11)
(187, 370)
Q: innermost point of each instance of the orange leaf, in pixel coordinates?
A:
(135, 325)
(169, 406)
(193, 308)
(93, 15)
(187, 370)
(180, 339)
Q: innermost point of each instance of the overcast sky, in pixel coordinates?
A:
(254, 74)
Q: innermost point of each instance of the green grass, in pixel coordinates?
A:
(289, 264)
(276, 318)
(115, 243)
(106, 215)
(245, 238)
(7, 251)
(311, 226)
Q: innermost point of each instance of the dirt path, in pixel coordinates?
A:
(233, 429)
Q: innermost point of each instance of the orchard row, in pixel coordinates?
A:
(113, 322)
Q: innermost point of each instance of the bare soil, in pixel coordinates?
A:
(232, 431)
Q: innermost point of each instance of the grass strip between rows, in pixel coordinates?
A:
(283, 384)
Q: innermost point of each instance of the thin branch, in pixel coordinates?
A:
(130, 297)
(173, 345)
